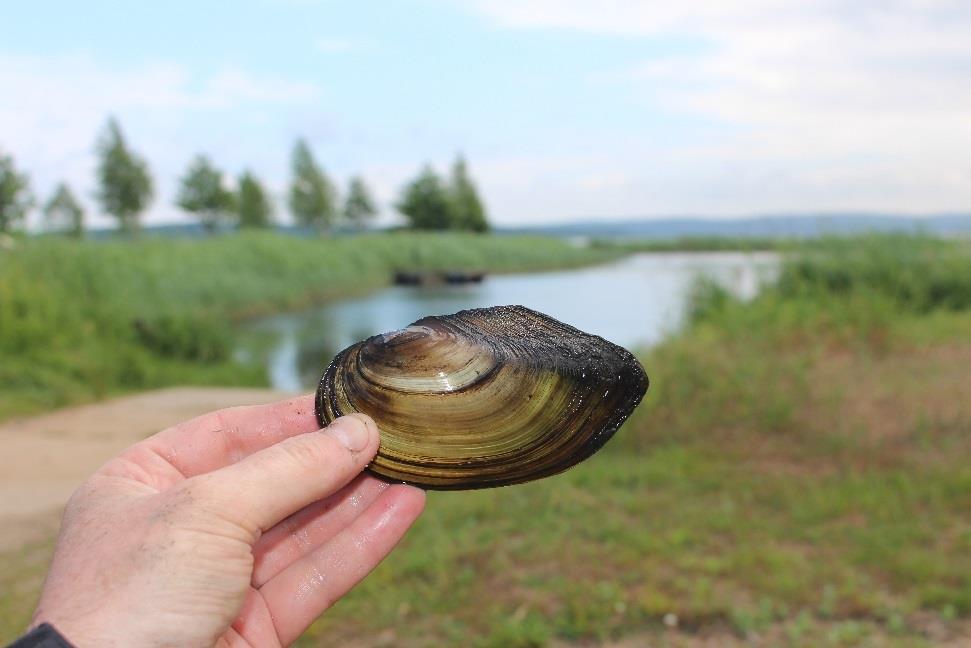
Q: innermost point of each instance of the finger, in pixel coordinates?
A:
(307, 529)
(223, 437)
(274, 483)
(253, 626)
(302, 591)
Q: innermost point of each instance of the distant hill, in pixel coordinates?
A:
(771, 226)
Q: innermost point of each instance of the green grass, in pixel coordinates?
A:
(915, 273)
(80, 320)
(798, 475)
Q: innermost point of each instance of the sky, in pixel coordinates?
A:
(565, 109)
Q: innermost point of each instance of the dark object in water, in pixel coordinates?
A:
(485, 397)
(463, 277)
(404, 278)
(408, 279)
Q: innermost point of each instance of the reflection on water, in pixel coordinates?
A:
(633, 302)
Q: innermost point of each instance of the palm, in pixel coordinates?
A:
(269, 612)
(238, 570)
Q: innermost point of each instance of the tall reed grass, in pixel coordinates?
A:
(82, 319)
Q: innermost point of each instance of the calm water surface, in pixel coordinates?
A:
(634, 302)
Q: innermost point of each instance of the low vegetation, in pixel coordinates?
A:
(697, 244)
(797, 476)
(79, 320)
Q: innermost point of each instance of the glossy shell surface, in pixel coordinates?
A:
(485, 397)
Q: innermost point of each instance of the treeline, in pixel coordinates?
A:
(126, 189)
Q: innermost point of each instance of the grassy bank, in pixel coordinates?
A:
(797, 476)
(82, 320)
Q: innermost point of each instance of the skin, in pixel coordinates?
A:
(238, 528)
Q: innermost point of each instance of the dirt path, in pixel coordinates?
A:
(44, 458)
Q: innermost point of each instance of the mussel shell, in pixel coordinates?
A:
(485, 397)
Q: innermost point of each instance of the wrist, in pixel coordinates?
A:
(71, 633)
(44, 635)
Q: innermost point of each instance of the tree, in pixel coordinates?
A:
(202, 193)
(425, 202)
(15, 198)
(252, 203)
(359, 208)
(63, 213)
(126, 186)
(312, 195)
(467, 210)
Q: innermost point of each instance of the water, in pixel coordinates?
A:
(634, 302)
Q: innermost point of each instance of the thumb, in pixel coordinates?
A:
(278, 481)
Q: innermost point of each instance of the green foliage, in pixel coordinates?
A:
(706, 299)
(359, 208)
(185, 337)
(914, 272)
(313, 198)
(63, 213)
(467, 210)
(15, 198)
(430, 204)
(425, 202)
(253, 206)
(202, 193)
(125, 184)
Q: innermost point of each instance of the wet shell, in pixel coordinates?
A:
(485, 397)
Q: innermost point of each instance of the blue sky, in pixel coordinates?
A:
(566, 109)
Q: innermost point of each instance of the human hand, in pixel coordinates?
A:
(238, 528)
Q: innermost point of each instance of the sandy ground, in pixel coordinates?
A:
(44, 458)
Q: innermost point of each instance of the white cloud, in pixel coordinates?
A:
(835, 105)
(55, 107)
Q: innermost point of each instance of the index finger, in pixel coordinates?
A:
(223, 437)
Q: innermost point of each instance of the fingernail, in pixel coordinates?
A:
(352, 434)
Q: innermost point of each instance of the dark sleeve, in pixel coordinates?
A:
(43, 636)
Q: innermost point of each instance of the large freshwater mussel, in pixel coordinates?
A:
(485, 397)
